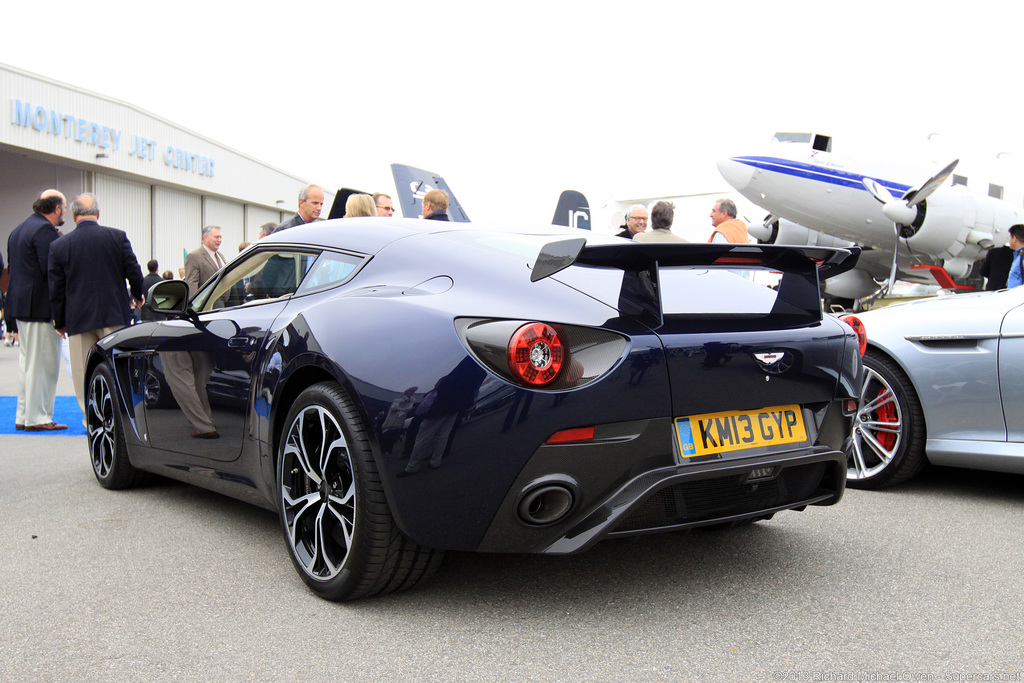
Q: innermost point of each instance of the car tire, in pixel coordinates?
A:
(105, 434)
(337, 524)
(887, 444)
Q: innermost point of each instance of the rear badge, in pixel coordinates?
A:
(774, 362)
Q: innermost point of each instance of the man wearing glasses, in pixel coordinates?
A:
(385, 207)
(636, 222)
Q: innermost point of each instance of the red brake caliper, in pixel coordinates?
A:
(886, 413)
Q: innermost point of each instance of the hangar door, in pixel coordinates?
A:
(230, 218)
(126, 205)
(177, 226)
(255, 217)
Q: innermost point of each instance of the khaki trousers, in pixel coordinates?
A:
(39, 369)
(79, 345)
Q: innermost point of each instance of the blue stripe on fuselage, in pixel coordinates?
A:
(820, 174)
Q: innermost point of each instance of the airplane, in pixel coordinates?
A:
(412, 183)
(931, 233)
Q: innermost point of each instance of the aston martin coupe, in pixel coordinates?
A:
(393, 388)
(943, 384)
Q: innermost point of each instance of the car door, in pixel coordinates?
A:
(203, 364)
(1011, 370)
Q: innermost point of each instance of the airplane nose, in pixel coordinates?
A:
(736, 173)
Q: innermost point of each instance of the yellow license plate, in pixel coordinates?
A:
(738, 430)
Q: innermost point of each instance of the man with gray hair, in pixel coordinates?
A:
(88, 268)
(204, 262)
(28, 302)
(727, 228)
(311, 203)
(636, 222)
(266, 229)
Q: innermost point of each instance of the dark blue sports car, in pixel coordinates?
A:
(394, 388)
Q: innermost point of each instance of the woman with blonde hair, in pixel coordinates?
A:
(360, 205)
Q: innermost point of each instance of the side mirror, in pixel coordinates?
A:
(167, 299)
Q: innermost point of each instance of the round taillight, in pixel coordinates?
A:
(536, 354)
(858, 327)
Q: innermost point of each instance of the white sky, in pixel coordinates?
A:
(513, 102)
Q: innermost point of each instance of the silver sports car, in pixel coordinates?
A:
(943, 384)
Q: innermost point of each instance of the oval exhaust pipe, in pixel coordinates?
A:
(545, 504)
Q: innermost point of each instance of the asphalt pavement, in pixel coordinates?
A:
(170, 582)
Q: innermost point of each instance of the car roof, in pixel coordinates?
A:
(369, 235)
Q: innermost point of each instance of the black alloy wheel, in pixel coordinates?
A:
(337, 525)
(105, 434)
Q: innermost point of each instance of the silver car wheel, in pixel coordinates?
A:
(101, 428)
(318, 493)
(877, 428)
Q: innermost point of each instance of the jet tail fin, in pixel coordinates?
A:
(573, 210)
(412, 183)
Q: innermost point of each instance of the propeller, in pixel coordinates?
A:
(903, 212)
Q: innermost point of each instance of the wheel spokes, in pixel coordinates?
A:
(878, 428)
(318, 493)
(100, 420)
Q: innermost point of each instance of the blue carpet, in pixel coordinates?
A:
(65, 411)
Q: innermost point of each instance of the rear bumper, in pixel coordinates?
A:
(668, 500)
(633, 483)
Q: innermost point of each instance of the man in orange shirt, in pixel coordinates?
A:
(727, 228)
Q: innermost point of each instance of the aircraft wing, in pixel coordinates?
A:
(412, 183)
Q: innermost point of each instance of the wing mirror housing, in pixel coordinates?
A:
(168, 299)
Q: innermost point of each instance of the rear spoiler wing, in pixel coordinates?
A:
(799, 293)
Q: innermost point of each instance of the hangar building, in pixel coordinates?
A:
(155, 180)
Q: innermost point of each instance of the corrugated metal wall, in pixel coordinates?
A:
(127, 206)
(255, 216)
(22, 180)
(230, 216)
(177, 227)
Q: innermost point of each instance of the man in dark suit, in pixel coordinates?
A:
(204, 262)
(87, 270)
(152, 277)
(435, 205)
(311, 203)
(28, 301)
(998, 260)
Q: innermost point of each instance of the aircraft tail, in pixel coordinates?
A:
(413, 183)
(340, 198)
(573, 210)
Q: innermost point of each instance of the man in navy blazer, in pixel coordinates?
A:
(88, 268)
(28, 302)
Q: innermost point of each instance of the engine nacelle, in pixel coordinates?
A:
(958, 225)
(781, 231)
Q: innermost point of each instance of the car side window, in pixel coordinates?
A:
(264, 275)
(330, 269)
